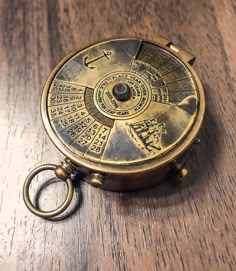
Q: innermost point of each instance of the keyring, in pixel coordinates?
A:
(28, 202)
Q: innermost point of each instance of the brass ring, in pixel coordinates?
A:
(29, 204)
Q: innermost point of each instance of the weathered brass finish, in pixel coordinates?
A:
(183, 172)
(124, 109)
(35, 210)
(95, 179)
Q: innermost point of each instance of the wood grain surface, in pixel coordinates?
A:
(170, 227)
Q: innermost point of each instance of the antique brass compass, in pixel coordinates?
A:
(125, 112)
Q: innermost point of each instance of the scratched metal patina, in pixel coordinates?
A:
(122, 101)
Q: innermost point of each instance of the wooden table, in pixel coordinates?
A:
(170, 227)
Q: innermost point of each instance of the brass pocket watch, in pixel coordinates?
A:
(125, 112)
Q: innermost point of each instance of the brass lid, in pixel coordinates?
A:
(123, 106)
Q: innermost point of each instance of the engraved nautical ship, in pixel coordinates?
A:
(148, 134)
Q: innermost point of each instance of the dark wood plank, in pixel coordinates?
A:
(187, 227)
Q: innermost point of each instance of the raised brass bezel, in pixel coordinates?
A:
(133, 168)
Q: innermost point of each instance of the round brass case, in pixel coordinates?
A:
(131, 140)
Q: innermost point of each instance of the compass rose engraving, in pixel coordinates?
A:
(148, 134)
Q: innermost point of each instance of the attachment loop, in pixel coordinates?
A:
(64, 174)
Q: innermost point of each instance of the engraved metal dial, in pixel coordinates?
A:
(121, 102)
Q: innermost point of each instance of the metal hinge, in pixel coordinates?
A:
(182, 54)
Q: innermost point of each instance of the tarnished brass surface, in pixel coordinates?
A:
(35, 210)
(123, 111)
(155, 120)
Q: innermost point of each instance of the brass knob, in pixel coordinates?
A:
(121, 92)
(183, 172)
(95, 179)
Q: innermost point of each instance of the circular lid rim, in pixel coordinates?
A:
(129, 168)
